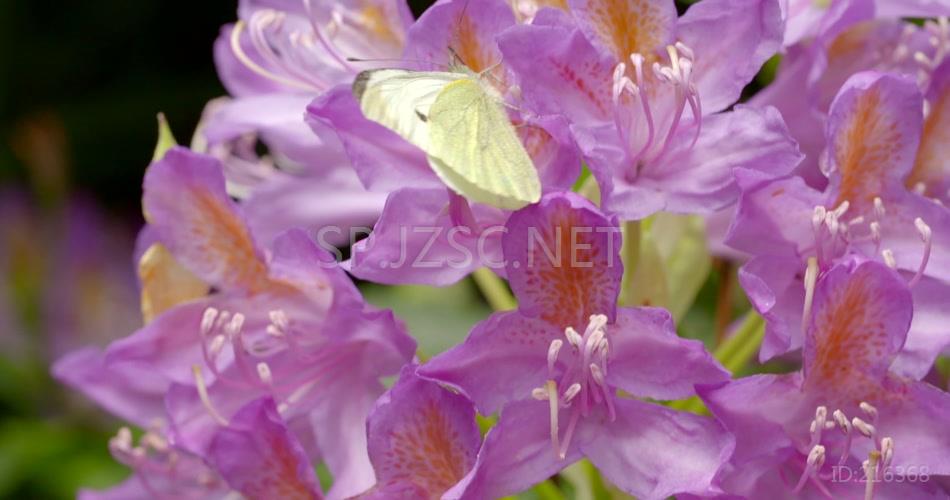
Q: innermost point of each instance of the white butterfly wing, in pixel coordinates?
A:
(475, 149)
(400, 99)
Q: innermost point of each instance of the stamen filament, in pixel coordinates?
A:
(203, 394)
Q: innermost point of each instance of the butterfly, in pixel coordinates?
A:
(461, 125)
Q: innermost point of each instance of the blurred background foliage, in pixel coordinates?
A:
(80, 86)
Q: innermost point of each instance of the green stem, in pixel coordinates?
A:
(494, 290)
(597, 487)
(547, 490)
(630, 253)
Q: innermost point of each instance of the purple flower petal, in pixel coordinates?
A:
(417, 240)
(260, 458)
(873, 132)
(563, 260)
(653, 452)
(859, 322)
(775, 286)
(184, 198)
(501, 360)
(422, 434)
(622, 28)
(731, 40)
(650, 360)
(516, 455)
(383, 160)
(699, 178)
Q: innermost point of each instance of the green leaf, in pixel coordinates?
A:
(437, 317)
(672, 264)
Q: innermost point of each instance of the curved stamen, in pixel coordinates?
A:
(816, 458)
(811, 277)
(845, 426)
(253, 66)
(926, 236)
(203, 394)
(553, 407)
(330, 48)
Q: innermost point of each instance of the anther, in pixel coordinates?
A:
(573, 337)
(264, 373)
(234, 326)
(207, 320)
(814, 462)
(553, 351)
(879, 209)
(887, 451)
(845, 427)
(571, 391)
(867, 430)
(888, 255)
(926, 236)
(869, 409)
(279, 318)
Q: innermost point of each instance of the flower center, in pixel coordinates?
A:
(879, 458)
(938, 34)
(222, 329)
(154, 457)
(834, 235)
(305, 55)
(649, 107)
(576, 379)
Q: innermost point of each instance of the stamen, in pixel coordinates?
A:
(553, 351)
(279, 319)
(253, 66)
(553, 407)
(539, 393)
(870, 410)
(920, 188)
(122, 441)
(879, 209)
(203, 394)
(818, 424)
(867, 430)
(876, 235)
(263, 371)
(817, 220)
(297, 395)
(887, 452)
(845, 427)
(597, 374)
(216, 345)
(571, 392)
(816, 459)
(888, 255)
(870, 474)
(926, 236)
(811, 277)
(207, 320)
(573, 337)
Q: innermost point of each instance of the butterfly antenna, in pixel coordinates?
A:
(395, 60)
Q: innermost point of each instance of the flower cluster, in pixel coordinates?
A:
(261, 371)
